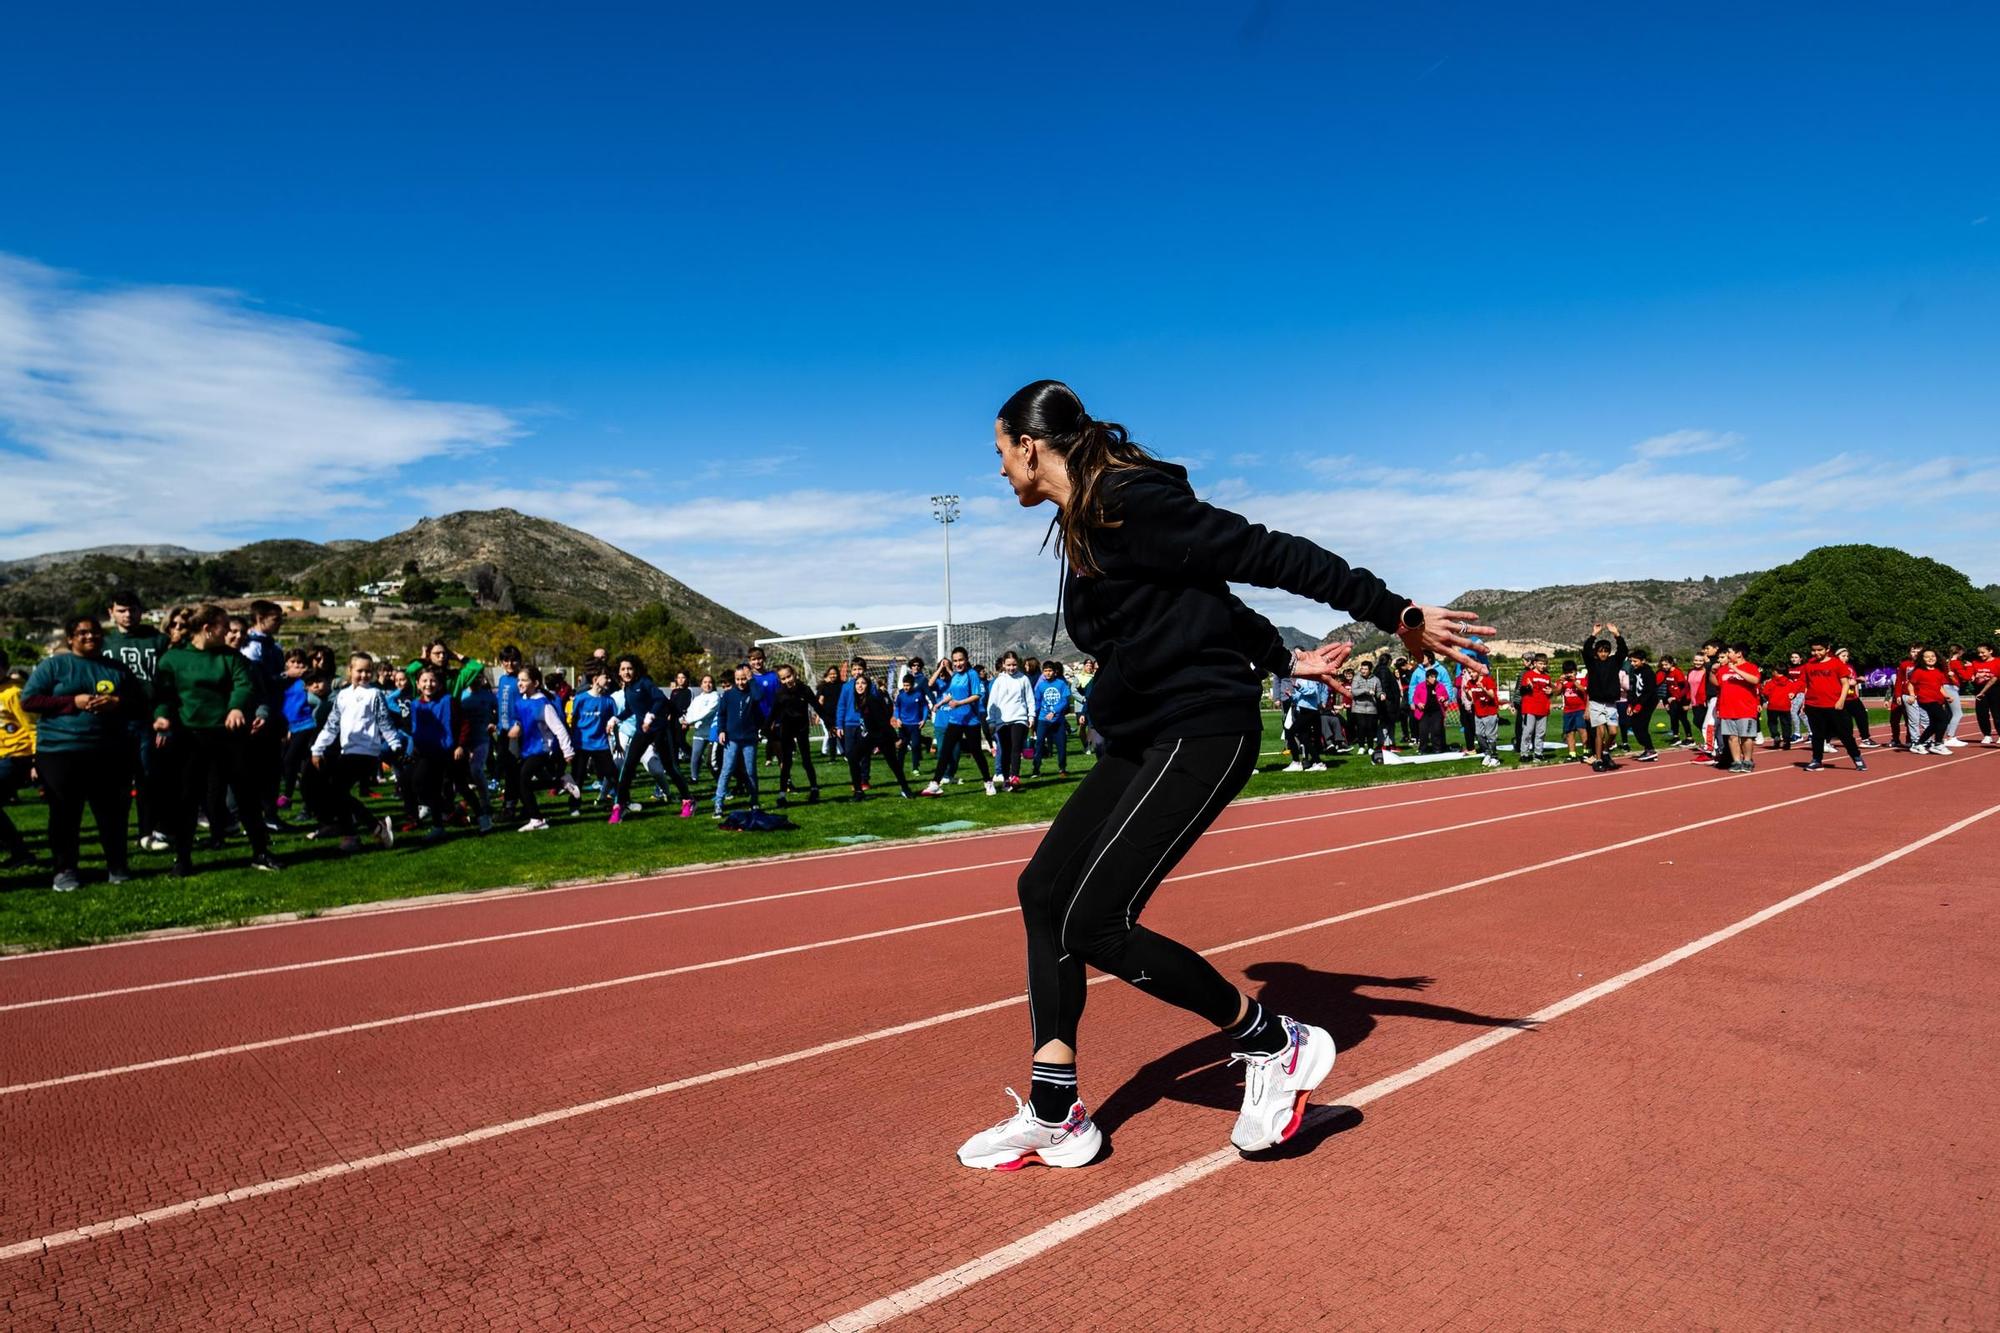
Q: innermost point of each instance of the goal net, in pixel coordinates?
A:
(886, 648)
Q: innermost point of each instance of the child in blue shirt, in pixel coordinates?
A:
(1052, 702)
(592, 715)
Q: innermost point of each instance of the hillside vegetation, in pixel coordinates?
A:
(498, 560)
(1876, 600)
(1666, 615)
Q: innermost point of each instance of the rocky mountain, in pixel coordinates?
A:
(1667, 615)
(514, 561)
(504, 560)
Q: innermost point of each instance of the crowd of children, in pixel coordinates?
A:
(206, 725)
(1721, 705)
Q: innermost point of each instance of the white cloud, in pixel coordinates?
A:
(1682, 443)
(122, 407)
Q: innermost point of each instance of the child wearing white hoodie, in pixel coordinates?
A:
(1009, 708)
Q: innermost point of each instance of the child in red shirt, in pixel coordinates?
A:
(1736, 707)
(1927, 682)
(1778, 708)
(1534, 690)
(1476, 687)
(1983, 684)
(1576, 709)
(1828, 682)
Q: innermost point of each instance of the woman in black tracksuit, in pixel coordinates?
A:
(1176, 697)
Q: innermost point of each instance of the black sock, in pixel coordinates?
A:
(1260, 1032)
(1051, 1090)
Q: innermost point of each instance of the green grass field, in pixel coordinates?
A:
(317, 876)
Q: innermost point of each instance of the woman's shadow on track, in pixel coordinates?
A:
(1200, 1072)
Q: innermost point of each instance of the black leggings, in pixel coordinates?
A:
(1125, 827)
(1936, 717)
(1306, 726)
(1677, 721)
(1831, 724)
(96, 778)
(1013, 739)
(209, 764)
(1987, 711)
(670, 760)
(960, 736)
(1857, 714)
(791, 741)
(863, 746)
(1641, 718)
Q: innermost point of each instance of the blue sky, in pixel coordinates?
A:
(1476, 297)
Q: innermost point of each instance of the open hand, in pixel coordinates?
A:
(1446, 632)
(1321, 663)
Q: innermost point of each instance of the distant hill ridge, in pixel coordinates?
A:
(505, 559)
(1665, 614)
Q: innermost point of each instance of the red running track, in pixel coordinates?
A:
(450, 1170)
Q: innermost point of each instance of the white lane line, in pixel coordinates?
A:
(400, 1020)
(55, 1240)
(476, 897)
(954, 1281)
(341, 960)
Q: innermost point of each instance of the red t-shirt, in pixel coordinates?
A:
(1535, 690)
(1903, 676)
(1778, 693)
(1576, 697)
(1824, 681)
(1677, 684)
(1478, 687)
(1739, 691)
(1961, 674)
(1980, 672)
(1928, 682)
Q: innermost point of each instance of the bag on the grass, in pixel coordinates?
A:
(756, 821)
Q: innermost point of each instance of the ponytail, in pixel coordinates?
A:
(1091, 451)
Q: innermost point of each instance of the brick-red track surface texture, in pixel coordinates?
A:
(1663, 1048)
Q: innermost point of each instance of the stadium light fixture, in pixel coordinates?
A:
(944, 508)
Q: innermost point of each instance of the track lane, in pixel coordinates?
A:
(112, 1030)
(875, 1075)
(1781, 1132)
(26, 978)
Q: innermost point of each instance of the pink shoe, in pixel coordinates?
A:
(687, 809)
(617, 815)
(284, 802)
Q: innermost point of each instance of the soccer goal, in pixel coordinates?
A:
(812, 654)
(880, 645)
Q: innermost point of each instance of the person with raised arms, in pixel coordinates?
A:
(1145, 573)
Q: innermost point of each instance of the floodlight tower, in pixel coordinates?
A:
(944, 508)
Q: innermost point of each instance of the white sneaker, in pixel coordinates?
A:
(1316, 768)
(1955, 742)
(1021, 1139)
(1295, 767)
(1983, 740)
(385, 833)
(933, 790)
(989, 789)
(1277, 1087)
(569, 785)
(534, 826)
(1489, 762)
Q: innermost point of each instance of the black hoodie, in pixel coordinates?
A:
(1177, 653)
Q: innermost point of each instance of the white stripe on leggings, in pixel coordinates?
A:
(1220, 778)
(1085, 877)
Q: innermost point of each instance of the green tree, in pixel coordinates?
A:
(419, 590)
(1876, 600)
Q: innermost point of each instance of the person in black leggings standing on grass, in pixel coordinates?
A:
(1146, 568)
